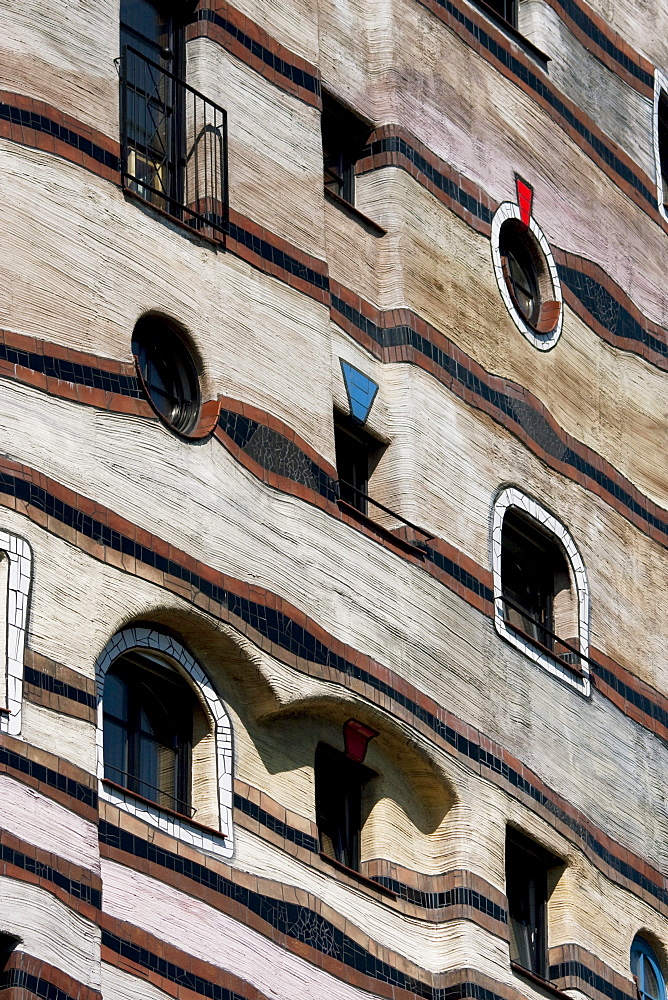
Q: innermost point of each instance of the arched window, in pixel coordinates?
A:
(164, 739)
(148, 731)
(646, 970)
(541, 595)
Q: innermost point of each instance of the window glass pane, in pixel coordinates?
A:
(650, 982)
(147, 767)
(116, 697)
(115, 752)
(635, 964)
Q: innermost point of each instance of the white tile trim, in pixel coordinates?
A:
(164, 646)
(660, 84)
(512, 497)
(543, 342)
(19, 580)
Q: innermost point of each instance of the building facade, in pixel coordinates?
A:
(333, 500)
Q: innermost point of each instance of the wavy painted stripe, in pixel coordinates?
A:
(35, 978)
(34, 865)
(274, 624)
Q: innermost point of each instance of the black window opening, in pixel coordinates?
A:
(506, 10)
(528, 868)
(663, 142)
(174, 139)
(339, 788)
(168, 372)
(148, 731)
(8, 945)
(527, 276)
(537, 593)
(357, 454)
(343, 139)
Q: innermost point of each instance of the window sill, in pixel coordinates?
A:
(357, 876)
(537, 980)
(541, 57)
(149, 207)
(378, 529)
(576, 671)
(354, 213)
(182, 817)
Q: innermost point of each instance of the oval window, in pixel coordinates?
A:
(168, 372)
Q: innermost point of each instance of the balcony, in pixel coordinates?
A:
(173, 146)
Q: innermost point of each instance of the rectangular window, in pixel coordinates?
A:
(343, 138)
(506, 10)
(355, 451)
(527, 868)
(663, 143)
(339, 784)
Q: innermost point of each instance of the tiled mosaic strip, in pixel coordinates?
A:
(41, 123)
(300, 923)
(440, 179)
(587, 977)
(261, 816)
(505, 408)
(607, 310)
(55, 686)
(48, 776)
(641, 701)
(274, 255)
(534, 84)
(37, 986)
(599, 36)
(286, 633)
(299, 77)
(276, 453)
(79, 890)
(68, 371)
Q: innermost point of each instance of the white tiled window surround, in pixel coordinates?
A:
(512, 497)
(168, 648)
(543, 342)
(660, 87)
(15, 578)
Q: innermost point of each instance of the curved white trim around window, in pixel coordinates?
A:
(15, 600)
(512, 497)
(543, 342)
(660, 84)
(144, 638)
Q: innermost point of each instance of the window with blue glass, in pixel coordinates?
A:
(647, 971)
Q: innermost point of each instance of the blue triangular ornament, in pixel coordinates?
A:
(361, 391)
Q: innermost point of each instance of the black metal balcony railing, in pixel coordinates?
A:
(139, 786)
(358, 499)
(542, 637)
(174, 145)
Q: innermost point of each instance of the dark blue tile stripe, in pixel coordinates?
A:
(542, 90)
(68, 371)
(286, 634)
(75, 789)
(264, 818)
(283, 260)
(40, 123)
(36, 985)
(292, 919)
(395, 144)
(641, 701)
(286, 69)
(610, 313)
(585, 24)
(48, 683)
(533, 423)
(566, 970)
(77, 889)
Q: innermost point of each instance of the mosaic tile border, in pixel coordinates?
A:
(288, 634)
(17, 584)
(27, 976)
(42, 868)
(166, 647)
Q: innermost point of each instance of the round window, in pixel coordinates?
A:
(168, 372)
(519, 260)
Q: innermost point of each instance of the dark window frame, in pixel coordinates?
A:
(156, 715)
(357, 454)
(527, 868)
(643, 955)
(339, 790)
(168, 372)
(662, 138)
(344, 136)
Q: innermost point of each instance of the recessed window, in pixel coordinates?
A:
(168, 372)
(343, 138)
(661, 140)
(148, 731)
(356, 456)
(647, 971)
(538, 594)
(504, 9)
(527, 276)
(339, 786)
(541, 595)
(527, 885)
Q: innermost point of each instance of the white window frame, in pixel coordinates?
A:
(14, 619)
(513, 497)
(170, 649)
(660, 84)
